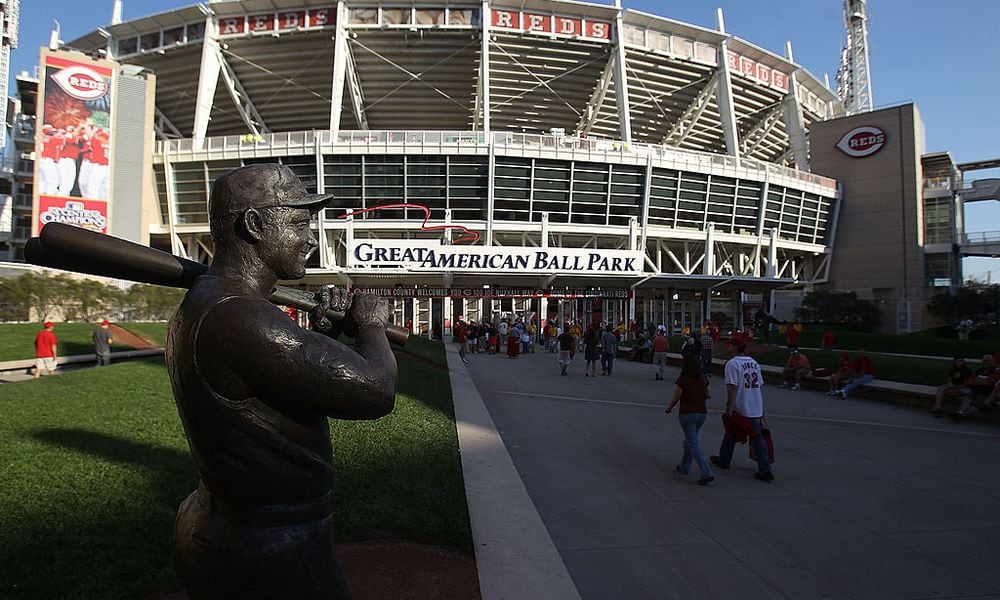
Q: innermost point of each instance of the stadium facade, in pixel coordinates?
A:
(555, 157)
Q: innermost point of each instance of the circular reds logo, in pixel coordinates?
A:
(862, 141)
(81, 83)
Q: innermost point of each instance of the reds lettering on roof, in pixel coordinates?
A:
(314, 18)
(752, 69)
(548, 24)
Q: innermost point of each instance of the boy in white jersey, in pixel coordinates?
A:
(744, 410)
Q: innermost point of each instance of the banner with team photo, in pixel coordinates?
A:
(73, 141)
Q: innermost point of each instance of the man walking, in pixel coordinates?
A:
(45, 350)
(661, 343)
(744, 412)
(102, 343)
(609, 349)
(567, 348)
(707, 343)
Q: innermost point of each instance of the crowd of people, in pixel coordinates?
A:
(74, 161)
(974, 391)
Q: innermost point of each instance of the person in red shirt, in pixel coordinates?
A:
(48, 166)
(795, 368)
(828, 341)
(661, 343)
(792, 335)
(68, 162)
(45, 350)
(864, 372)
(461, 337)
(843, 376)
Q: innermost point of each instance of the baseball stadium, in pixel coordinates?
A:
(552, 157)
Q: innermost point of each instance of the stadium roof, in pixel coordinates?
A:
(420, 66)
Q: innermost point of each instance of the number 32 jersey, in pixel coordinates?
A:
(744, 373)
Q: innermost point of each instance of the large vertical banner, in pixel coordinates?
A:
(73, 142)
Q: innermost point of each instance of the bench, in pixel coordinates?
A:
(904, 394)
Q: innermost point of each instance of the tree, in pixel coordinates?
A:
(14, 300)
(842, 308)
(153, 302)
(45, 292)
(976, 301)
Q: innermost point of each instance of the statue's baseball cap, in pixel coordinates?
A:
(261, 186)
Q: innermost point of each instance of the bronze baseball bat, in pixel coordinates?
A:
(70, 248)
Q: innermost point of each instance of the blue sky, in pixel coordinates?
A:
(923, 51)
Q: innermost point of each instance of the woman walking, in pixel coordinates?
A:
(691, 391)
(591, 350)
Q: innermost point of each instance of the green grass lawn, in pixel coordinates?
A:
(923, 371)
(925, 343)
(17, 340)
(93, 464)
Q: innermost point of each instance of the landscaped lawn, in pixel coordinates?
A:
(93, 464)
(17, 340)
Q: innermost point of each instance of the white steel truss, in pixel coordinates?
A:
(593, 109)
(248, 112)
(685, 125)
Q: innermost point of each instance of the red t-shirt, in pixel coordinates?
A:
(44, 342)
(692, 394)
(52, 147)
(829, 340)
(793, 336)
(661, 343)
(863, 364)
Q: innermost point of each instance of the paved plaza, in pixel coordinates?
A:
(871, 500)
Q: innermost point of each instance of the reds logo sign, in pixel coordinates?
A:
(862, 141)
(81, 83)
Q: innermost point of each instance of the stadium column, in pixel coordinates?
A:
(339, 69)
(168, 182)
(708, 265)
(772, 256)
(794, 123)
(724, 95)
(484, 68)
(761, 211)
(208, 80)
(324, 260)
(621, 79)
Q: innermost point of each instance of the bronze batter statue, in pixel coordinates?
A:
(254, 392)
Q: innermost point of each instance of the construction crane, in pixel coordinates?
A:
(854, 77)
(10, 10)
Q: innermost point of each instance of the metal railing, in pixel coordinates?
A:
(247, 146)
(937, 183)
(981, 237)
(24, 128)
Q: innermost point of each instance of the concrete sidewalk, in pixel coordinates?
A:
(872, 500)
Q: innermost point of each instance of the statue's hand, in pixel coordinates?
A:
(367, 310)
(331, 300)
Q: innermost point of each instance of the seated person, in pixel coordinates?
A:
(954, 387)
(843, 376)
(643, 349)
(863, 372)
(795, 368)
(980, 390)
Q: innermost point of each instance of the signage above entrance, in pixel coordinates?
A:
(862, 141)
(498, 292)
(428, 255)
